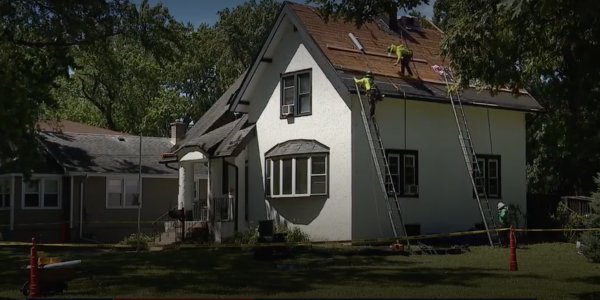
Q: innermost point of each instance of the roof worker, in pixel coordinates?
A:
(371, 90)
(503, 223)
(404, 57)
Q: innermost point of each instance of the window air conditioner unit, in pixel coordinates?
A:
(411, 189)
(287, 110)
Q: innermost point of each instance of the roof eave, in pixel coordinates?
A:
(309, 43)
(467, 103)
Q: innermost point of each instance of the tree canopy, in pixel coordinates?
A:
(114, 64)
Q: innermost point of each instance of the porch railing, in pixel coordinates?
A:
(223, 209)
(200, 210)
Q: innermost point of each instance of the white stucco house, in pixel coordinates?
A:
(287, 138)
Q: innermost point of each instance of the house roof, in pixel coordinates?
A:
(334, 51)
(219, 133)
(217, 115)
(70, 126)
(103, 153)
(296, 147)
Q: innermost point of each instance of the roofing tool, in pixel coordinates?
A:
(468, 150)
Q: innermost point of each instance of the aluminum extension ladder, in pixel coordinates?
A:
(470, 156)
(379, 159)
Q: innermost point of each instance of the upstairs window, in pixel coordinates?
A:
(490, 179)
(296, 94)
(404, 172)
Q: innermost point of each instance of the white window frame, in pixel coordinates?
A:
(3, 181)
(396, 173)
(124, 192)
(41, 181)
(496, 177)
(309, 193)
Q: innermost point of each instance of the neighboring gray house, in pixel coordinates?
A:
(88, 186)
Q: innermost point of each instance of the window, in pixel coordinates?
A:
(490, 178)
(122, 193)
(5, 194)
(296, 99)
(404, 172)
(42, 193)
(296, 176)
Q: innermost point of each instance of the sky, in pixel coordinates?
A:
(197, 12)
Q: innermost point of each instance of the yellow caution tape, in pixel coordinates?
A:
(100, 246)
(77, 223)
(575, 229)
(358, 241)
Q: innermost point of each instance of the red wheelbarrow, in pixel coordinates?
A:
(53, 278)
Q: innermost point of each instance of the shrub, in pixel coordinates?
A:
(294, 234)
(569, 220)
(250, 236)
(591, 239)
(138, 240)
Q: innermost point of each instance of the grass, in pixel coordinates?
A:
(546, 271)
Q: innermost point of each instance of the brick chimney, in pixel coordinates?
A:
(178, 129)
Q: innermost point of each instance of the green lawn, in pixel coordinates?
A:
(546, 271)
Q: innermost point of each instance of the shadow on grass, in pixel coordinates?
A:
(586, 279)
(588, 296)
(229, 273)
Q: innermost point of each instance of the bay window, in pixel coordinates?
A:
(296, 176)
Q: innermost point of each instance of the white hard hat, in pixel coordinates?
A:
(500, 205)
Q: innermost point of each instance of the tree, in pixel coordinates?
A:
(35, 42)
(360, 11)
(591, 239)
(242, 31)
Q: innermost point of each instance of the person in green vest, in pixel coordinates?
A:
(371, 90)
(404, 57)
(503, 223)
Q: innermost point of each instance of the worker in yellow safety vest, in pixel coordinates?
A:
(404, 57)
(371, 90)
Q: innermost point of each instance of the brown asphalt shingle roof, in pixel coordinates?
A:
(425, 45)
(333, 40)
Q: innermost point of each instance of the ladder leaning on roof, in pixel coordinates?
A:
(468, 149)
(380, 161)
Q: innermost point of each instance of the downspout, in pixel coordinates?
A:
(81, 184)
(12, 203)
(235, 217)
(71, 213)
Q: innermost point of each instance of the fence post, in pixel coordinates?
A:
(513, 250)
(34, 289)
